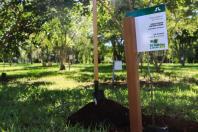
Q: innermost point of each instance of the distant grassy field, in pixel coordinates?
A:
(40, 98)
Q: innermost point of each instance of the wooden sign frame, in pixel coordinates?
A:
(132, 75)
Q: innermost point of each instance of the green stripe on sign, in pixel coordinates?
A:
(146, 11)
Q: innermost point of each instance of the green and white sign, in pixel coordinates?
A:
(151, 31)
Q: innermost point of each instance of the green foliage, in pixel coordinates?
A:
(41, 99)
(182, 21)
(61, 28)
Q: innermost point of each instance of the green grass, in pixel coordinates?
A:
(41, 98)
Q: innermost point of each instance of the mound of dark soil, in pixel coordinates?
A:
(117, 117)
(106, 112)
(3, 77)
(173, 124)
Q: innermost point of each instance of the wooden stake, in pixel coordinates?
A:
(132, 75)
(95, 40)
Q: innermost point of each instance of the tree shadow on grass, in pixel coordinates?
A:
(27, 67)
(89, 77)
(30, 107)
(191, 80)
(102, 69)
(39, 67)
(79, 76)
(179, 67)
(33, 74)
(165, 86)
(177, 100)
(188, 66)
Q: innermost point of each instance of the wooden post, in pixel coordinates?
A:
(95, 40)
(132, 75)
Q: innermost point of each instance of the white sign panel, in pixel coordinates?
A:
(71, 57)
(117, 65)
(151, 31)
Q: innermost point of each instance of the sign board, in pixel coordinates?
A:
(70, 57)
(150, 26)
(117, 65)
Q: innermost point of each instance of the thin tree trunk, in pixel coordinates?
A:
(31, 54)
(62, 58)
(43, 58)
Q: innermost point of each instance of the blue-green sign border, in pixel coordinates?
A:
(146, 11)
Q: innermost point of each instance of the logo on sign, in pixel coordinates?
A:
(155, 45)
(157, 9)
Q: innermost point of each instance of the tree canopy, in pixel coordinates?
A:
(55, 29)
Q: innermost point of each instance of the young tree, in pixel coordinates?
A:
(63, 30)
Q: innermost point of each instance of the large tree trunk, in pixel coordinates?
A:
(62, 66)
(62, 58)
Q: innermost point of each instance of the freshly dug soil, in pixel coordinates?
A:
(106, 112)
(3, 77)
(173, 124)
(110, 113)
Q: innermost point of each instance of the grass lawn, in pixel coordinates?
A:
(40, 98)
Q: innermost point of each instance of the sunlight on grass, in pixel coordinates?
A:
(41, 98)
(59, 82)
